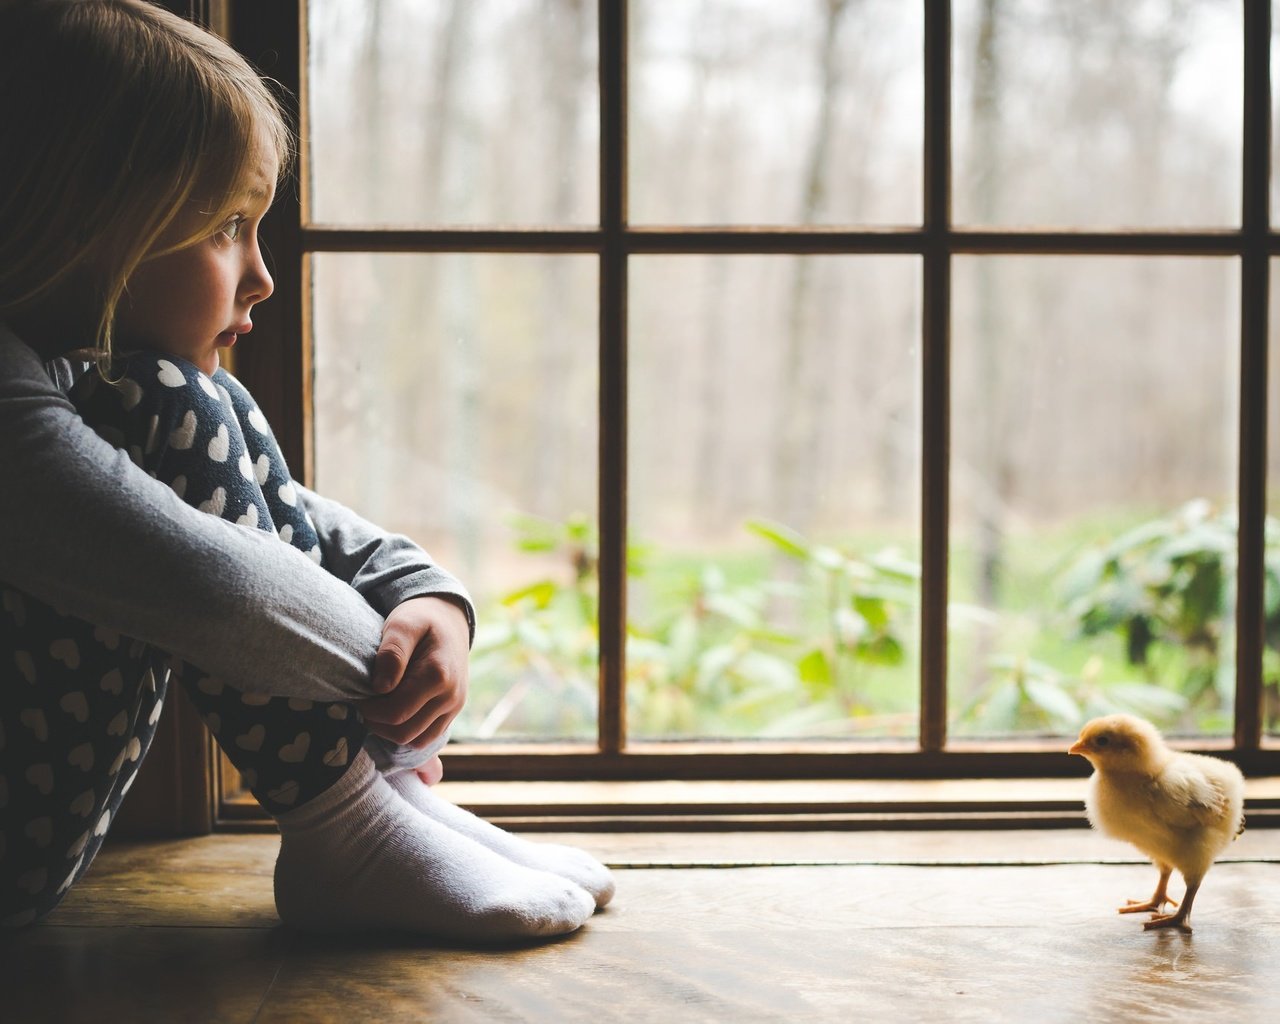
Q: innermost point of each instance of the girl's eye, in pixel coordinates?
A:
(231, 230)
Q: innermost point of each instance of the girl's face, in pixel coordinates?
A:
(196, 301)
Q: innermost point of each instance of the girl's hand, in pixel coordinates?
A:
(420, 671)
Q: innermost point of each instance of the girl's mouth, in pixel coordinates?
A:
(228, 338)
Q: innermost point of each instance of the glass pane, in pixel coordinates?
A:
(453, 112)
(1093, 474)
(1091, 113)
(775, 498)
(753, 111)
(1271, 653)
(455, 402)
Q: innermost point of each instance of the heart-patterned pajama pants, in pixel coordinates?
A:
(72, 740)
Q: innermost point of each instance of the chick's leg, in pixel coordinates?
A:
(1158, 898)
(1178, 920)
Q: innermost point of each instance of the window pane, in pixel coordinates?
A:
(774, 490)
(454, 112)
(455, 402)
(1091, 113)
(753, 111)
(1093, 475)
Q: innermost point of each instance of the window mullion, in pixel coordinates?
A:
(613, 374)
(277, 367)
(1254, 300)
(936, 385)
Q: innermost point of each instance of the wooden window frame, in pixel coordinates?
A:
(278, 370)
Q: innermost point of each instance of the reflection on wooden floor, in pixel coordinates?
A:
(853, 927)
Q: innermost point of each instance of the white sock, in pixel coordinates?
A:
(576, 865)
(359, 857)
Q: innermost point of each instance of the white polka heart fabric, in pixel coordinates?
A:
(80, 704)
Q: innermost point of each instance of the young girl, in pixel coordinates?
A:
(145, 502)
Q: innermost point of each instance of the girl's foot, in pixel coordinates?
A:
(576, 865)
(358, 857)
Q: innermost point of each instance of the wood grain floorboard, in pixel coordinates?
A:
(69, 974)
(186, 930)
(1028, 846)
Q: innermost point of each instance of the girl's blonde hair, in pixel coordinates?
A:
(115, 114)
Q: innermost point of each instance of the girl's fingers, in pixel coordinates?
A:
(424, 683)
(422, 728)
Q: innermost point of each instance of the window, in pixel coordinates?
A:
(824, 389)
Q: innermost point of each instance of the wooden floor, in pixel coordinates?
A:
(740, 927)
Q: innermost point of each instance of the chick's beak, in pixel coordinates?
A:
(1078, 747)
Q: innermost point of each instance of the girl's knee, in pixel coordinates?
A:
(237, 394)
(180, 427)
(153, 399)
(161, 381)
(254, 425)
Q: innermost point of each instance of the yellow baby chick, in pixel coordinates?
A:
(1181, 810)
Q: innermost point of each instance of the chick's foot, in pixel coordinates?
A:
(1178, 920)
(1142, 906)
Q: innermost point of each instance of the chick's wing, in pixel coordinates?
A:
(1192, 792)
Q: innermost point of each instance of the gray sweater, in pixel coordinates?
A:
(85, 530)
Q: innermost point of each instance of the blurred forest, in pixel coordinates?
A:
(775, 411)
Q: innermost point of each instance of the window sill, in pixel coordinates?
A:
(803, 805)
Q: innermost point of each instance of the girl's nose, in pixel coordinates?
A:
(257, 284)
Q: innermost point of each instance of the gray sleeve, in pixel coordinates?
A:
(384, 568)
(85, 530)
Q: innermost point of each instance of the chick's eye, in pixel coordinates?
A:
(1102, 741)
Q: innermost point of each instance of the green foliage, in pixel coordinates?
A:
(776, 655)
(1165, 583)
(533, 668)
(807, 638)
(780, 654)
(861, 611)
(1026, 695)
(1167, 589)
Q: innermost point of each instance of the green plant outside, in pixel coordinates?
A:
(788, 637)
